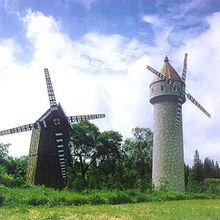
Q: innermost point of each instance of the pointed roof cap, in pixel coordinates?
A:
(168, 71)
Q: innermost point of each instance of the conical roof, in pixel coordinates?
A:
(168, 71)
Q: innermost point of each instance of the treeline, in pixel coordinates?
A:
(102, 160)
(202, 174)
(12, 170)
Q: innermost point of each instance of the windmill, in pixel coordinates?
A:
(49, 155)
(167, 94)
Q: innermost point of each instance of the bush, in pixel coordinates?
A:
(39, 196)
(119, 197)
(37, 201)
(96, 199)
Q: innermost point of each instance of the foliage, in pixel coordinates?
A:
(42, 196)
(199, 175)
(137, 157)
(3, 151)
(5, 178)
(100, 160)
(83, 148)
(13, 171)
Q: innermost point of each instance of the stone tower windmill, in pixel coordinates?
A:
(167, 94)
(49, 153)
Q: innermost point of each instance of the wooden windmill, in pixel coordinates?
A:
(49, 154)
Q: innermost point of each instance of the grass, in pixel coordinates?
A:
(42, 196)
(185, 209)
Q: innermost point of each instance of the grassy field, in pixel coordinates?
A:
(42, 196)
(185, 209)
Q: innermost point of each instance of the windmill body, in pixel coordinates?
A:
(167, 94)
(168, 161)
(49, 154)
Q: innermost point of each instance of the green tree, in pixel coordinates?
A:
(187, 173)
(138, 154)
(3, 152)
(197, 172)
(17, 167)
(108, 154)
(83, 143)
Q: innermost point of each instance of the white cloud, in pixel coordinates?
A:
(101, 73)
(203, 79)
(96, 74)
(152, 19)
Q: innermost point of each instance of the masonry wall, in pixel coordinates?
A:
(168, 159)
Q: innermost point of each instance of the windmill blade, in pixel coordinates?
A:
(184, 68)
(180, 90)
(179, 104)
(50, 90)
(78, 118)
(169, 81)
(27, 127)
(193, 100)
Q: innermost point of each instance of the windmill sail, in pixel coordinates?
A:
(50, 90)
(181, 90)
(184, 68)
(49, 153)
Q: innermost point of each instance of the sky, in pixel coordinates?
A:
(97, 52)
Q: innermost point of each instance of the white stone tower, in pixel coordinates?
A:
(168, 161)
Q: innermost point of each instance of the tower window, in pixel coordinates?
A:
(162, 88)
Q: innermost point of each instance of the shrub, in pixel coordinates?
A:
(96, 199)
(36, 196)
(37, 201)
(119, 197)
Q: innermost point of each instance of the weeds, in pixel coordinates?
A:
(41, 196)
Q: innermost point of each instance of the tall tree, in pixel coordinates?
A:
(108, 153)
(83, 142)
(3, 152)
(138, 152)
(197, 169)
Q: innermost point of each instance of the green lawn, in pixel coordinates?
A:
(185, 209)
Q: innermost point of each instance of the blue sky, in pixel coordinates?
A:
(124, 17)
(97, 52)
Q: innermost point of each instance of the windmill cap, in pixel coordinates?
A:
(168, 71)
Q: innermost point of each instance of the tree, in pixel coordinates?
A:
(83, 143)
(138, 153)
(187, 174)
(108, 154)
(197, 172)
(17, 167)
(3, 152)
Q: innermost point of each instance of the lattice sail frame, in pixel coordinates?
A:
(50, 90)
(38, 124)
(53, 105)
(180, 100)
(179, 89)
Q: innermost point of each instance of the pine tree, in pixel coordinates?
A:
(197, 169)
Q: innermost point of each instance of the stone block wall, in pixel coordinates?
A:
(168, 161)
(168, 158)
